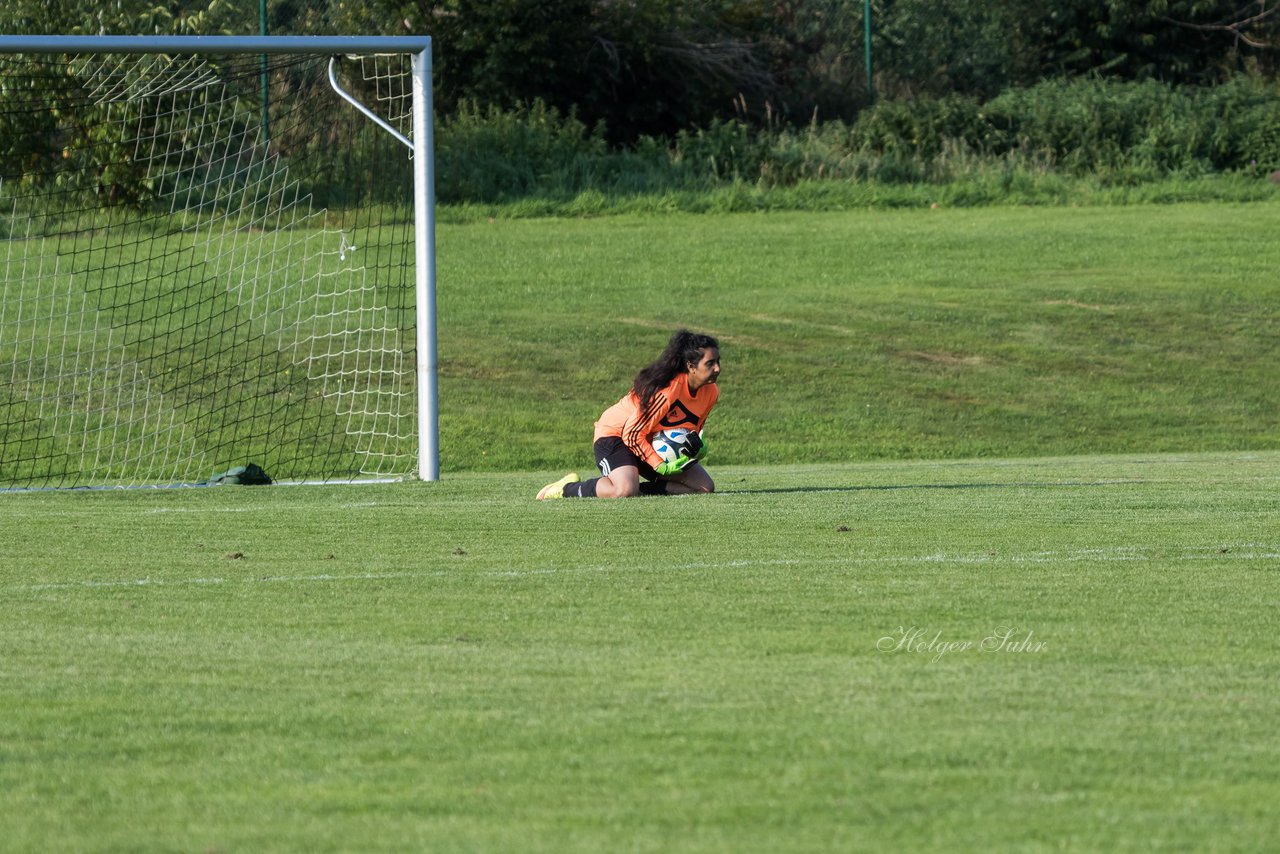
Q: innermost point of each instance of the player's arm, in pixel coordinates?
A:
(641, 425)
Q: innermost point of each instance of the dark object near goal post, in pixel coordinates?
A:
(248, 475)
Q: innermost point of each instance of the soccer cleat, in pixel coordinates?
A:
(556, 490)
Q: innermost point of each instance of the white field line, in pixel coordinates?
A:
(355, 505)
(1255, 551)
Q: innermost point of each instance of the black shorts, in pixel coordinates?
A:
(612, 453)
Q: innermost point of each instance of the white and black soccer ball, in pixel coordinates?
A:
(671, 443)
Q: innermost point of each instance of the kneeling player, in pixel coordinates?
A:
(677, 390)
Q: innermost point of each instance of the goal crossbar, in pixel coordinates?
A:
(418, 48)
(219, 44)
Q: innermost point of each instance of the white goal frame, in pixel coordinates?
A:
(422, 143)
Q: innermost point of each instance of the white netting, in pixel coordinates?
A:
(190, 283)
(392, 89)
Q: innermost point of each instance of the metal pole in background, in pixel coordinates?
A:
(866, 44)
(266, 96)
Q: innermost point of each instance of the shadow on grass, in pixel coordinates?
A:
(895, 487)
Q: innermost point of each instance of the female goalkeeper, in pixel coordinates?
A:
(677, 390)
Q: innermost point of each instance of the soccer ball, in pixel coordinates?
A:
(670, 443)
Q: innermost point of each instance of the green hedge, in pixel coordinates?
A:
(1117, 133)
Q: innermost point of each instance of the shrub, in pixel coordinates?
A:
(1111, 133)
(920, 127)
(495, 155)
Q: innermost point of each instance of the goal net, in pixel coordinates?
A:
(208, 260)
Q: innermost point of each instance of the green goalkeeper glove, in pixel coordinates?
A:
(670, 467)
(694, 447)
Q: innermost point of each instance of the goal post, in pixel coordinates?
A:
(216, 250)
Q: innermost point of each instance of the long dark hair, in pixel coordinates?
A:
(683, 348)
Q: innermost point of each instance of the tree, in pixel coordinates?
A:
(640, 66)
(1175, 41)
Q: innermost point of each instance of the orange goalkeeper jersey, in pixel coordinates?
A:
(673, 406)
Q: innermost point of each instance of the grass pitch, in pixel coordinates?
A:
(1072, 652)
(925, 334)
(995, 332)
(1065, 653)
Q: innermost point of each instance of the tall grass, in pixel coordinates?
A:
(1057, 143)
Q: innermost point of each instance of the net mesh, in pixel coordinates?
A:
(192, 281)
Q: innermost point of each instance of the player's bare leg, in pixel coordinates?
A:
(622, 482)
(693, 479)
